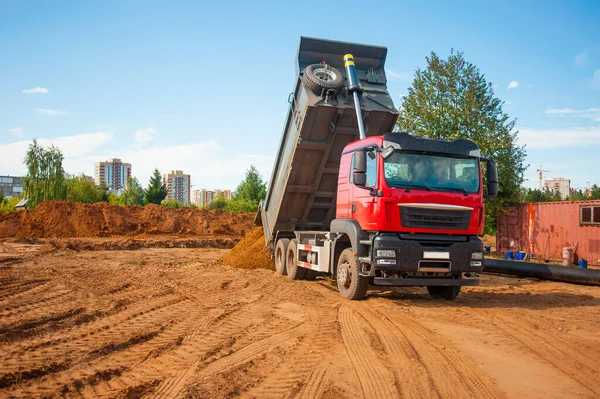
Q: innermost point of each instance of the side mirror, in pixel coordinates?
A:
(492, 177)
(359, 175)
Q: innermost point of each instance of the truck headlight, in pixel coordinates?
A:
(386, 261)
(386, 253)
(477, 255)
(476, 263)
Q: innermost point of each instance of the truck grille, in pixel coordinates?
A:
(443, 219)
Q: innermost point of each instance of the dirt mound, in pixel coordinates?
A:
(61, 219)
(250, 252)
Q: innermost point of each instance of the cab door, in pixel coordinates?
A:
(363, 205)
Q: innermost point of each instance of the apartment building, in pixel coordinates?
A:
(112, 173)
(178, 186)
(560, 185)
(11, 186)
(203, 196)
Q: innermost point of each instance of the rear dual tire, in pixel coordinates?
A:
(294, 271)
(280, 254)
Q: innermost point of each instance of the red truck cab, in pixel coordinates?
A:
(418, 204)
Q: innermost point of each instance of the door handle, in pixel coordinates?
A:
(353, 208)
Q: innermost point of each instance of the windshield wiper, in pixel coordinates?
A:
(408, 186)
(456, 189)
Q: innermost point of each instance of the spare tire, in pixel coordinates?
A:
(318, 77)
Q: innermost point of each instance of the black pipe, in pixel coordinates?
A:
(544, 272)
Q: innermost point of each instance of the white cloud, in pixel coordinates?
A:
(581, 60)
(513, 85)
(74, 148)
(210, 164)
(48, 112)
(36, 90)
(555, 138)
(590, 113)
(17, 131)
(395, 75)
(596, 79)
(144, 135)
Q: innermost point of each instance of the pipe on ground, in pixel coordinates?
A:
(564, 274)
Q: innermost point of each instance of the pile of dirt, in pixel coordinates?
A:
(250, 252)
(63, 219)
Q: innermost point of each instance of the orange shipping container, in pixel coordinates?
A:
(545, 228)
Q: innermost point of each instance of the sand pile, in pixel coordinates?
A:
(250, 253)
(62, 219)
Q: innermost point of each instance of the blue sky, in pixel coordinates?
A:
(204, 87)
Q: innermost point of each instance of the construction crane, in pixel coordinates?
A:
(541, 171)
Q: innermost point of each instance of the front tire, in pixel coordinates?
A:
(350, 283)
(447, 293)
(294, 271)
(280, 255)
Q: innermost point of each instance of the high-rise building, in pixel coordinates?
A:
(11, 186)
(204, 197)
(178, 186)
(208, 196)
(112, 173)
(560, 185)
(198, 198)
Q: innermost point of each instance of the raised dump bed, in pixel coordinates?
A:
(321, 121)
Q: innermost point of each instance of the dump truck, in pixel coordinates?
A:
(350, 198)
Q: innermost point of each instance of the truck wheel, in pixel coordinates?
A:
(318, 77)
(351, 285)
(291, 263)
(448, 293)
(280, 255)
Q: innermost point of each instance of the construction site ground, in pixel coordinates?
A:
(103, 317)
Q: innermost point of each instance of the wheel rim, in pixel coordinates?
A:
(344, 275)
(325, 74)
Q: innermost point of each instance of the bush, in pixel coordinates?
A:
(80, 189)
(241, 205)
(171, 203)
(115, 199)
(8, 205)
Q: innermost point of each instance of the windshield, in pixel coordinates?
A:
(432, 172)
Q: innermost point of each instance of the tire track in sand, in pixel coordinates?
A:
(559, 353)
(376, 380)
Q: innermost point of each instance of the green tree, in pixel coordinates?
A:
(134, 193)
(241, 205)
(8, 205)
(45, 178)
(252, 189)
(577, 195)
(81, 189)
(595, 192)
(451, 99)
(156, 191)
(172, 203)
(218, 202)
(115, 199)
(536, 195)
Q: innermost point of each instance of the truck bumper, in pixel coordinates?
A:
(416, 281)
(427, 253)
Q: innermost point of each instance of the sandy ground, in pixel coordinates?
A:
(173, 322)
